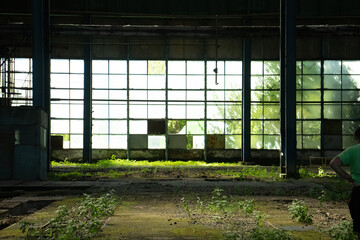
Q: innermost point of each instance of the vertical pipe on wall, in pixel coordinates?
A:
(290, 88)
(246, 99)
(205, 99)
(127, 101)
(166, 101)
(322, 143)
(87, 149)
(282, 88)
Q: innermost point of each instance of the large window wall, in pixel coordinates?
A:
(67, 104)
(141, 104)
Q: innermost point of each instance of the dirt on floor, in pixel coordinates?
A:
(206, 208)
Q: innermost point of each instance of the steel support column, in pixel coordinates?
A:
(41, 71)
(289, 42)
(41, 62)
(87, 149)
(246, 99)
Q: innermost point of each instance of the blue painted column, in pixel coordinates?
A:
(288, 45)
(246, 99)
(87, 149)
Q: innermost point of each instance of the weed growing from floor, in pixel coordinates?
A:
(343, 231)
(219, 200)
(299, 211)
(247, 206)
(186, 207)
(81, 222)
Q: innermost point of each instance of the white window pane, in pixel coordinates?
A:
(76, 110)
(99, 141)
(76, 126)
(76, 66)
(100, 111)
(76, 141)
(233, 82)
(176, 82)
(256, 68)
(100, 81)
(233, 67)
(211, 65)
(215, 127)
(59, 110)
(99, 66)
(156, 111)
(118, 141)
(138, 67)
(195, 95)
(156, 95)
(59, 94)
(195, 111)
(195, 82)
(118, 67)
(59, 65)
(215, 83)
(77, 81)
(195, 67)
(156, 81)
(23, 80)
(138, 111)
(198, 142)
(118, 127)
(215, 111)
(216, 95)
(59, 80)
(118, 111)
(351, 67)
(117, 94)
(76, 94)
(22, 65)
(176, 111)
(59, 126)
(100, 126)
(138, 127)
(138, 82)
(138, 95)
(156, 142)
(177, 95)
(176, 67)
(117, 81)
(100, 94)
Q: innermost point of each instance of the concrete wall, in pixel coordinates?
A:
(23, 153)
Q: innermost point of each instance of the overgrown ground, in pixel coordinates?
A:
(242, 202)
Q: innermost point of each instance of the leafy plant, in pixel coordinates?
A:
(83, 221)
(259, 218)
(218, 200)
(343, 231)
(299, 211)
(247, 206)
(186, 207)
(260, 233)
